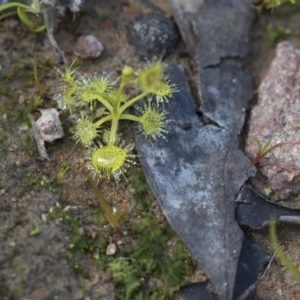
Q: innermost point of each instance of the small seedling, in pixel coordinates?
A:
(22, 11)
(284, 260)
(36, 230)
(83, 95)
(263, 150)
(268, 191)
(38, 7)
(62, 172)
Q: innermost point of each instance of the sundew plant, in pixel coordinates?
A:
(85, 95)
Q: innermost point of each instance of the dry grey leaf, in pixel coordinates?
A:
(196, 173)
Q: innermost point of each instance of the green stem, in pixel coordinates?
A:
(21, 9)
(119, 94)
(103, 120)
(23, 17)
(284, 260)
(104, 205)
(102, 99)
(113, 129)
(4, 16)
(130, 118)
(132, 101)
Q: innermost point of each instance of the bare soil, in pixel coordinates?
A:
(35, 263)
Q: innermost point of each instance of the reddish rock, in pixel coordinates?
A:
(276, 117)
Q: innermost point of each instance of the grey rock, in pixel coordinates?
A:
(153, 35)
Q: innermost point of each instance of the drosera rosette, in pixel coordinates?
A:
(153, 81)
(93, 88)
(85, 131)
(152, 120)
(67, 87)
(164, 91)
(94, 94)
(110, 160)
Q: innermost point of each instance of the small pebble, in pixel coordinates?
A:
(153, 35)
(44, 217)
(111, 249)
(80, 231)
(21, 99)
(12, 244)
(131, 190)
(88, 46)
(49, 125)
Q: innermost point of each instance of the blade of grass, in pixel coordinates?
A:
(23, 17)
(265, 147)
(263, 150)
(284, 260)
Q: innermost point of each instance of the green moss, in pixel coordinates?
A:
(19, 270)
(142, 192)
(8, 77)
(274, 34)
(104, 16)
(17, 293)
(4, 151)
(16, 213)
(271, 4)
(4, 91)
(79, 240)
(40, 181)
(152, 266)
